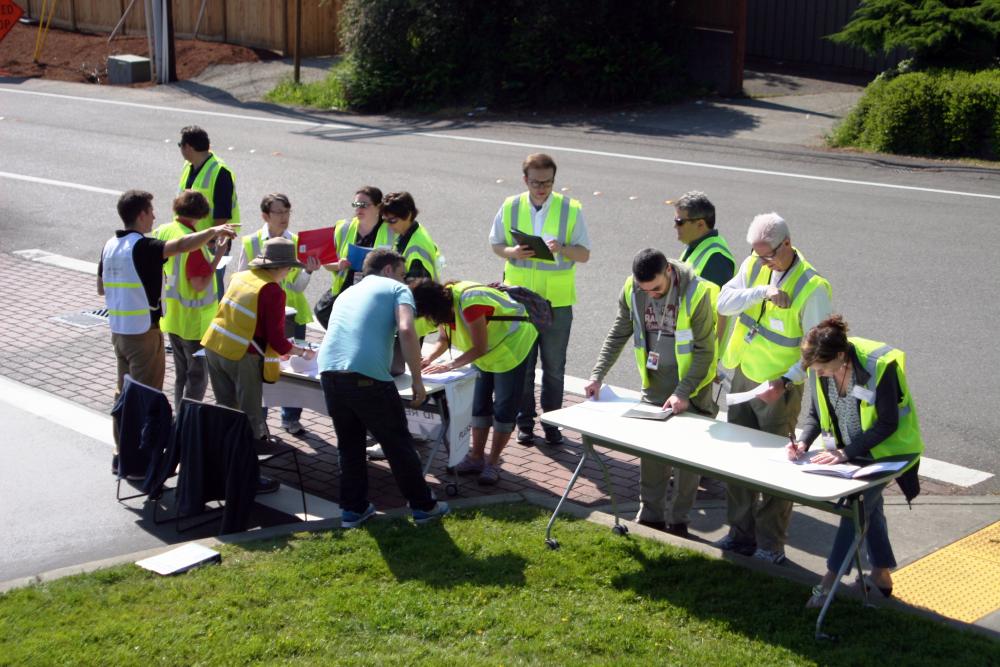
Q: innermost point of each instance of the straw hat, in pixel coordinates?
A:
(278, 253)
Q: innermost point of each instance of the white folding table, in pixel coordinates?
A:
(734, 454)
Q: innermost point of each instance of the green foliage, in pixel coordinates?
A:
(326, 94)
(942, 113)
(434, 53)
(961, 33)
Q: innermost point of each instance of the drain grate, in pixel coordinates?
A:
(84, 320)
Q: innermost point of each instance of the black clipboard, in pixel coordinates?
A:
(536, 243)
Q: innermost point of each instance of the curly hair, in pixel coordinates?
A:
(825, 341)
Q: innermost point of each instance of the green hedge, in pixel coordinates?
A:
(516, 53)
(946, 113)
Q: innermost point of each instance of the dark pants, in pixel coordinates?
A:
(190, 371)
(357, 404)
(876, 538)
(551, 346)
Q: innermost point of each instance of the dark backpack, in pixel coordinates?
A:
(537, 307)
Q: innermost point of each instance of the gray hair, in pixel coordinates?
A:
(769, 228)
(697, 206)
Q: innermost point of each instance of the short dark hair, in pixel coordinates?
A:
(697, 206)
(195, 137)
(825, 341)
(647, 264)
(131, 204)
(538, 161)
(379, 258)
(399, 204)
(375, 194)
(433, 300)
(191, 204)
(268, 201)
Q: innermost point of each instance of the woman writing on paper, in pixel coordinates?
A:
(863, 407)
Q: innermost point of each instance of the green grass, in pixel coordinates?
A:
(325, 94)
(481, 588)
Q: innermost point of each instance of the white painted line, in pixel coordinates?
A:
(61, 261)
(62, 184)
(180, 110)
(951, 473)
(520, 144)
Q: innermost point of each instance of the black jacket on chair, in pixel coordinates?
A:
(215, 448)
(143, 418)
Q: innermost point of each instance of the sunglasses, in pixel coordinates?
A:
(680, 221)
(360, 204)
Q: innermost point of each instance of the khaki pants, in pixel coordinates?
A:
(757, 518)
(141, 356)
(239, 385)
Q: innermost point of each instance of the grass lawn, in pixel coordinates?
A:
(479, 588)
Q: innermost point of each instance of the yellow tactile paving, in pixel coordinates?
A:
(961, 581)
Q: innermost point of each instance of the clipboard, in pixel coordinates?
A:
(640, 411)
(356, 256)
(536, 243)
(318, 243)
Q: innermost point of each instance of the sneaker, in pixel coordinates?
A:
(525, 437)
(730, 543)
(293, 427)
(267, 485)
(420, 517)
(349, 519)
(470, 466)
(490, 475)
(776, 557)
(553, 437)
(818, 597)
(678, 529)
(375, 452)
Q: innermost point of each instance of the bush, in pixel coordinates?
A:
(942, 113)
(434, 53)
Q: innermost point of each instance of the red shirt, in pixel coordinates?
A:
(473, 313)
(271, 320)
(196, 265)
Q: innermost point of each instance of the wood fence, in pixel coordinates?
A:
(262, 24)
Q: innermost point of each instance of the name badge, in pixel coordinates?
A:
(777, 325)
(684, 335)
(653, 361)
(863, 393)
(829, 442)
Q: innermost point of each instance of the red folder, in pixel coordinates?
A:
(318, 243)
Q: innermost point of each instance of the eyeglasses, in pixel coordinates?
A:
(769, 258)
(680, 221)
(360, 204)
(283, 211)
(541, 184)
(391, 221)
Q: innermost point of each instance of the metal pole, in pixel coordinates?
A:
(121, 21)
(201, 14)
(149, 37)
(298, 39)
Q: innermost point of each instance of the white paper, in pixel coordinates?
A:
(178, 560)
(224, 261)
(449, 376)
(608, 401)
(744, 396)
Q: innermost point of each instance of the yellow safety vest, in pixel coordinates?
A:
(876, 357)
(186, 312)
(714, 245)
(231, 330)
(697, 290)
(421, 247)
(508, 341)
(764, 342)
(554, 280)
(204, 183)
(344, 234)
(253, 245)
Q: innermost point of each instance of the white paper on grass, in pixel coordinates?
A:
(744, 396)
(179, 560)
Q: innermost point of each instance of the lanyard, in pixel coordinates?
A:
(663, 313)
(763, 304)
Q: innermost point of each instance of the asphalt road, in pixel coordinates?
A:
(908, 245)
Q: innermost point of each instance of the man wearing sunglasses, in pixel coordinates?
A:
(707, 252)
(775, 297)
(559, 221)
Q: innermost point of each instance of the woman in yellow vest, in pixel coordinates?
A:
(412, 240)
(493, 334)
(863, 408)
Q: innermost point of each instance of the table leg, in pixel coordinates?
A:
(549, 540)
(857, 507)
(618, 528)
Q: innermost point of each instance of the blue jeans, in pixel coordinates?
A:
(495, 398)
(358, 404)
(551, 346)
(876, 538)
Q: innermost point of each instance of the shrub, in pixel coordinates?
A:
(433, 53)
(939, 113)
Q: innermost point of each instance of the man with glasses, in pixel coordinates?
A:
(775, 296)
(559, 221)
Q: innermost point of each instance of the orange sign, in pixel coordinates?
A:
(9, 15)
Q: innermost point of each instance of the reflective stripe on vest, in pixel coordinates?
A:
(508, 341)
(187, 313)
(554, 280)
(715, 245)
(344, 234)
(124, 294)
(422, 247)
(205, 184)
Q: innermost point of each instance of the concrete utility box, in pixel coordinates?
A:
(128, 69)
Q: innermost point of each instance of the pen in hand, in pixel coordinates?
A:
(792, 449)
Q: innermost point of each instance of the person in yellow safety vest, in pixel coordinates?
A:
(365, 230)
(707, 251)
(189, 297)
(130, 277)
(775, 297)
(863, 407)
(275, 210)
(412, 241)
(247, 334)
(206, 173)
(498, 348)
(668, 313)
(558, 220)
